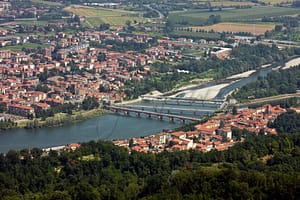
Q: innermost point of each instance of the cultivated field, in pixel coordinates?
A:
(96, 16)
(49, 3)
(276, 1)
(196, 17)
(240, 3)
(255, 29)
(28, 45)
(231, 3)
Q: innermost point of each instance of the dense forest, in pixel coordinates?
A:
(279, 82)
(262, 167)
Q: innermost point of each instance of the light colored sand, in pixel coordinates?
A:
(242, 75)
(154, 93)
(292, 63)
(204, 93)
(265, 66)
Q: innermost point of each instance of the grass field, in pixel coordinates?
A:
(29, 22)
(255, 29)
(231, 3)
(198, 35)
(276, 1)
(241, 3)
(49, 3)
(96, 16)
(196, 17)
(193, 52)
(18, 48)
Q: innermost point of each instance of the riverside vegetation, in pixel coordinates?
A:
(279, 82)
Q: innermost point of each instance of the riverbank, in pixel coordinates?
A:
(60, 119)
(204, 93)
(292, 63)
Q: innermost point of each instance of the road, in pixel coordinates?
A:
(161, 16)
(268, 99)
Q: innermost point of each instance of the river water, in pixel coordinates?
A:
(106, 127)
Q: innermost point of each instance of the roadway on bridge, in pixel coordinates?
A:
(150, 113)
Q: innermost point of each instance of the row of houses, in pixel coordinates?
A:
(213, 134)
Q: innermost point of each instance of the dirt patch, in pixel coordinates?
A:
(255, 29)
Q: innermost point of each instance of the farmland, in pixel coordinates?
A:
(227, 3)
(196, 17)
(231, 3)
(29, 45)
(255, 29)
(96, 16)
(48, 3)
(198, 35)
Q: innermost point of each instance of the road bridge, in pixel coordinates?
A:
(181, 100)
(150, 114)
(168, 109)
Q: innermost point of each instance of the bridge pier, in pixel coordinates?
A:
(149, 115)
(182, 121)
(138, 114)
(159, 117)
(126, 113)
(171, 119)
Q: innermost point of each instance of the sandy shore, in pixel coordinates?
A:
(204, 93)
(292, 63)
(242, 75)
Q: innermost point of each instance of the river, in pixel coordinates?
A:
(106, 127)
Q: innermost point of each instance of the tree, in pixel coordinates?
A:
(3, 108)
(90, 103)
(131, 142)
(101, 57)
(85, 191)
(43, 88)
(234, 110)
(278, 28)
(104, 27)
(169, 27)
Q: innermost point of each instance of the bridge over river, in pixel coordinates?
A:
(182, 101)
(150, 114)
(184, 110)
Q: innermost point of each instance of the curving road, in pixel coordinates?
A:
(161, 16)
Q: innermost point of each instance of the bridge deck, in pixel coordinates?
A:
(154, 113)
(165, 108)
(179, 99)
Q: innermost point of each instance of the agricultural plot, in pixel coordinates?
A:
(196, 17)
(231, 3)
(18, 48)
(96, 16)
(241, 3)
(48, 3)
(255, 29)
(198, 35)
(276, 1)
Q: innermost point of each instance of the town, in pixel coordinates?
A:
(69, 69)
(215, 134)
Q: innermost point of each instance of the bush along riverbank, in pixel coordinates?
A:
(60, 119)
